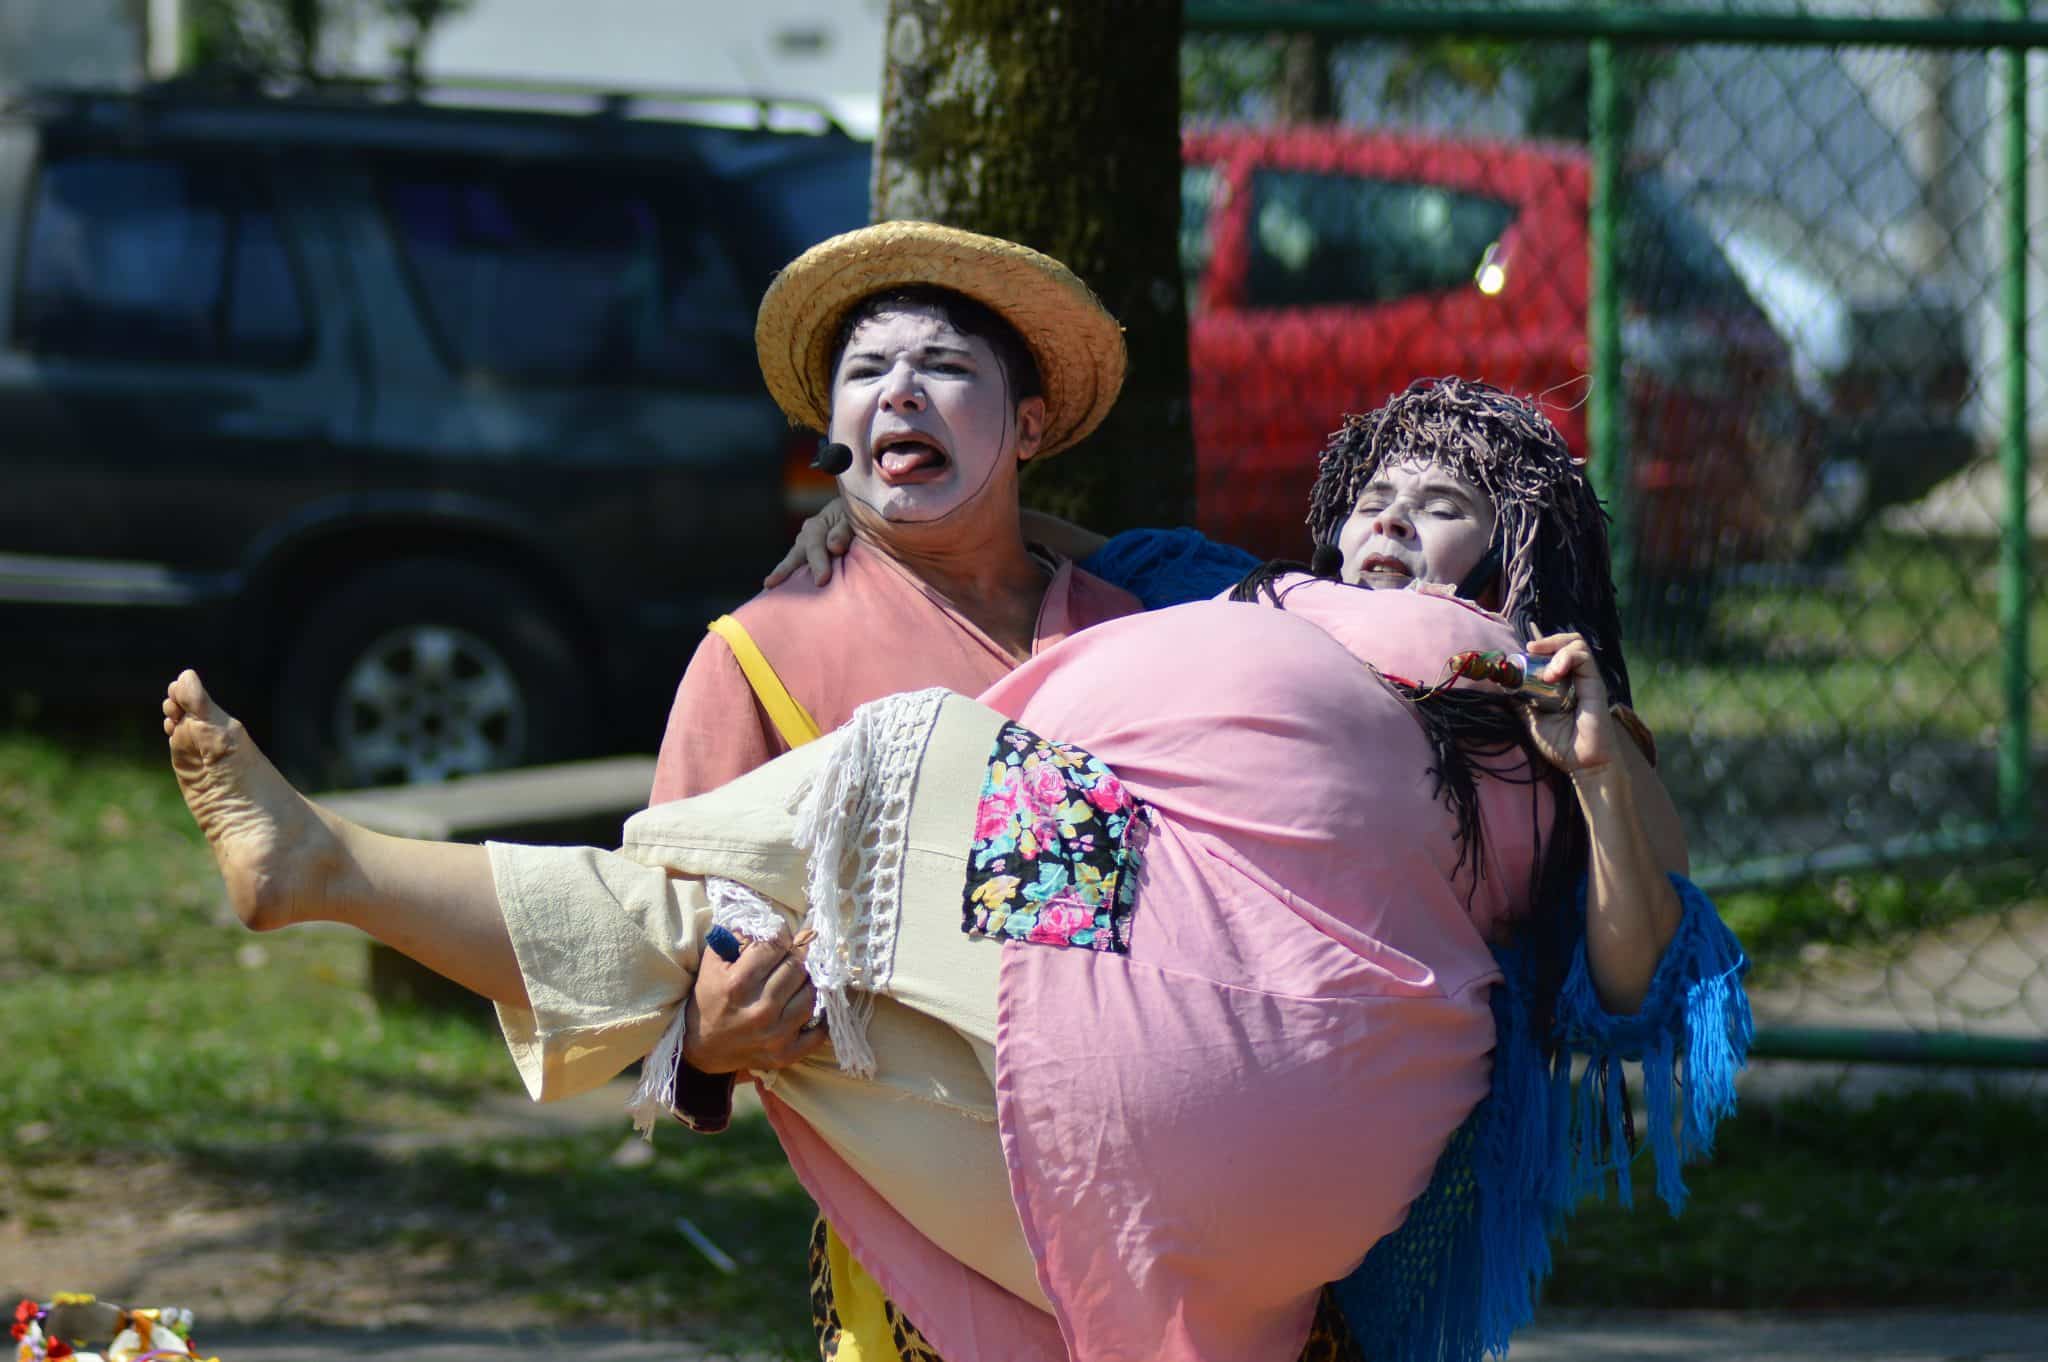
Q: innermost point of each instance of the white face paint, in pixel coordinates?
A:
(928, 415)
(1415, 522)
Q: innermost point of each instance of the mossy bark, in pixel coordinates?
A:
(1057, 125)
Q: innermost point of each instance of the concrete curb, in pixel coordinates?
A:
(1570, 1336)
(1712, 1336)
(409, 1345)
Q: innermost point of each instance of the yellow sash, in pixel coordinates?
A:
(857, 1298)
(866, 1333)
(785, 711)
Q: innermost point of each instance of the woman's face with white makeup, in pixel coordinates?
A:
(1415, 522)
(928, 413)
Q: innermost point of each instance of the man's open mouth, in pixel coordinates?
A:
(901, 457)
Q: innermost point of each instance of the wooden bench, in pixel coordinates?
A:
(578, 803)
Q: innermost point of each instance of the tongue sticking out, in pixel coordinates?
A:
(899, 460)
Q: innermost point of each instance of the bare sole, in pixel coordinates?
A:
(271, 846)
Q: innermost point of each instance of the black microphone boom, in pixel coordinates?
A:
(832, 459)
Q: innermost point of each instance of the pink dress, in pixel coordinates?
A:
(1203, 1132)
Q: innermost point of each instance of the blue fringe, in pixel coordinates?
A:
(1691, 1036)
(1464, 1270)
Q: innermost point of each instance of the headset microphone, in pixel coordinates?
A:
(1327, 561)
(832, 459)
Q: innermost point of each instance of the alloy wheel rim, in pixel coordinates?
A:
(426, 702)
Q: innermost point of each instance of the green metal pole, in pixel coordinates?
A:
(1973, 840)
(1948, 1049)
(1578, 23)
(2015, 796)
(1608, 455)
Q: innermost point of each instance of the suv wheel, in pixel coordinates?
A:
(424, 669)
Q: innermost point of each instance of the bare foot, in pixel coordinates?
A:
(272, 847)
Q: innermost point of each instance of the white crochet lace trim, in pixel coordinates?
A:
(746, 915)
(655, 1093)
(853, 818)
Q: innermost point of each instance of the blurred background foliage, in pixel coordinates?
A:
(251, 41)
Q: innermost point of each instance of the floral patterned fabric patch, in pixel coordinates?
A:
(1056, 844)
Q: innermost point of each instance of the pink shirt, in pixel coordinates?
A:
(873, 630)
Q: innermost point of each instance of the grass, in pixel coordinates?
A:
(139, 1014)
(1902, 637)
(1926, 1197)
(1780, 928)
(140, 1019)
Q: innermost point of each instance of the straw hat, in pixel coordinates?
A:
(1078, 346)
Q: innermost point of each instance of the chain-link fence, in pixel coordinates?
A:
(1766, 268)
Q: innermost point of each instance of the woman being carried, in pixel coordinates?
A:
(1240, 938)
(988, 941)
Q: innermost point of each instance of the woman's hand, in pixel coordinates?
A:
(822, 537)
(1581, 737)
(752, 1014)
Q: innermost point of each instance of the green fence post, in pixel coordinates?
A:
(1608, 455)
(2015, 777)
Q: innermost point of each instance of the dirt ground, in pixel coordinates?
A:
(146, 1230)
(140, 1232)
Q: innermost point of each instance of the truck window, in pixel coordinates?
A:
(1668, 260)
(810, 199)
(149, 258)
(1323, 239)
(544, 275)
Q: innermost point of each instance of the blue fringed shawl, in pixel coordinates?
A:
(1463, 1271)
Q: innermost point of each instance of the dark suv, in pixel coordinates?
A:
(432, 431)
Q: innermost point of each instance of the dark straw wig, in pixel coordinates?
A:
(1550, 531)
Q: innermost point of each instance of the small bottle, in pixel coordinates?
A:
(1523, 672)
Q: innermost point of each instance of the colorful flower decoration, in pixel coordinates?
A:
(1056, 844)
(73, 1322)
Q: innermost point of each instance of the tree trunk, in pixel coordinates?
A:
(306, 22)
(416, 20)
(1307, 94)
(1057, 125)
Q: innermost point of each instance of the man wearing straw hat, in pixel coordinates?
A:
(935, 362)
